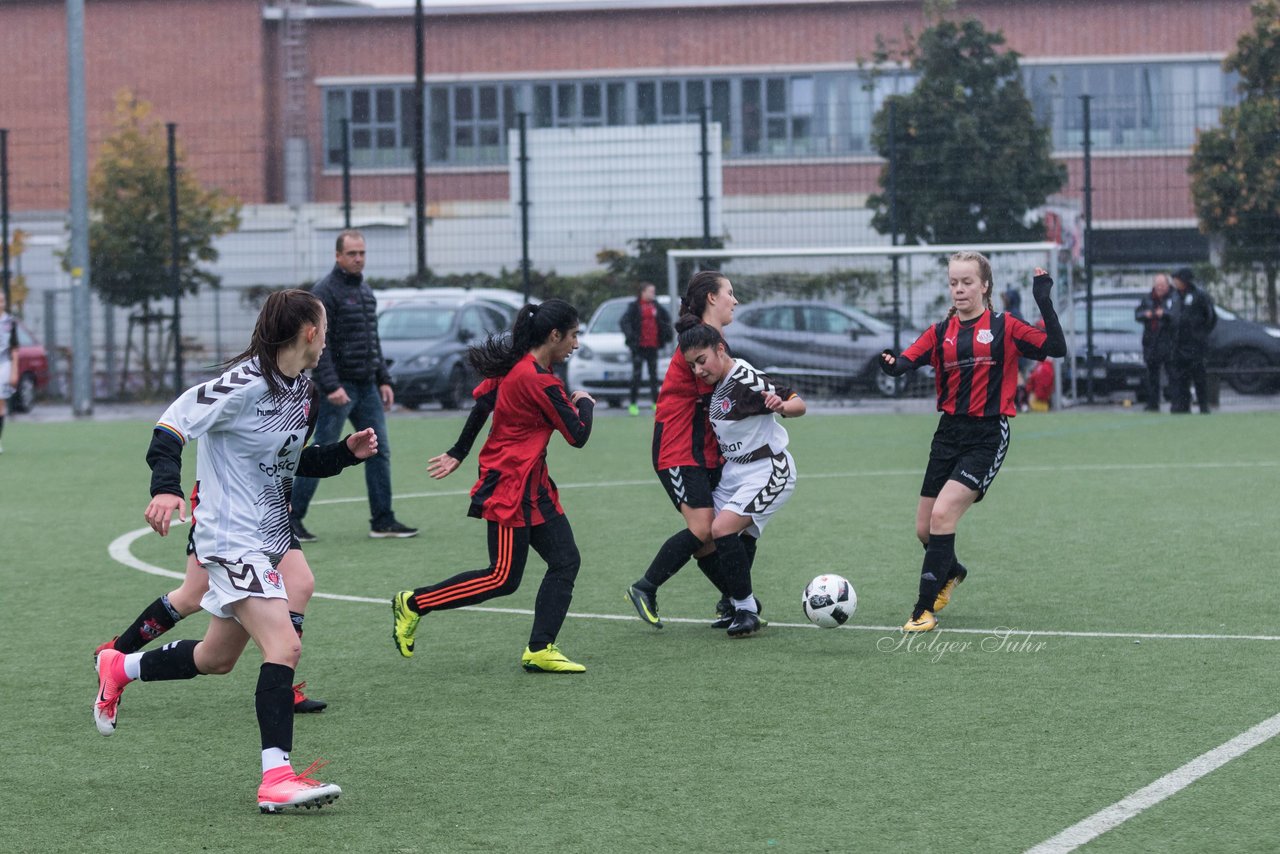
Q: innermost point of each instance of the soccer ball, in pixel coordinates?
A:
(829, 601)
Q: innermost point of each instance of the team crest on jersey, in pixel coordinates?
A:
(726, 405)
(272, 577)
(985, 336)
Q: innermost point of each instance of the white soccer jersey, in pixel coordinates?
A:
(743, 424)
(248, 449)
(8, 328)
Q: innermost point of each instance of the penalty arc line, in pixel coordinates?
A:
(120, 551)
(1170, 784)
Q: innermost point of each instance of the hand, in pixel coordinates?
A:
(363, 444)
(160, 511)
(388, 395)
(339, 397)
(1042, 286)
(579, 395)
(441, 466)
(772, 402)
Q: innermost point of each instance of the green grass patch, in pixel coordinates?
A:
(680, 739)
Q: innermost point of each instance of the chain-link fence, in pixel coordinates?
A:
(586, 211)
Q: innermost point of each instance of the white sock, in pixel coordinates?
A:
(133, 665)
(272, 758)
(748, 604)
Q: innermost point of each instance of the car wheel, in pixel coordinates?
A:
(887, 386)
(24, 396)
(1248, 371)
(457, 389)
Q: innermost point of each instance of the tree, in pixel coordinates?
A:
(971, 160)
(1235, 168)
(129, 240)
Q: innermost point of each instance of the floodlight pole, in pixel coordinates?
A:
(1088, 249)
(419, 139)
(81, 327)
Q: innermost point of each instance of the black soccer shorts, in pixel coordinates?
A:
(966, 450)
(691, 485)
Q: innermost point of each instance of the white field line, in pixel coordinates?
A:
(1170, 784)
(120, 551)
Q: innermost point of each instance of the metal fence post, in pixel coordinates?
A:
(175, 247)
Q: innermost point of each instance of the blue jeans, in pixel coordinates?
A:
(365, 410)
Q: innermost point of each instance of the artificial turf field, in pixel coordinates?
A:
(1120, 620)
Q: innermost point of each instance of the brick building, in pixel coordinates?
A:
(260, 91)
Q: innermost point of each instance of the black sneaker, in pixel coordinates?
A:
(646, 605)
(727, 617)
(302, 704)
(394, 530)
(744, 623)
(300, 533)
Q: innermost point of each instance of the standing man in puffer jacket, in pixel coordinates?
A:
(354, 384)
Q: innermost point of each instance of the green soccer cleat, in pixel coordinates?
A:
(646, 605)
(549, 660)
(405, 623)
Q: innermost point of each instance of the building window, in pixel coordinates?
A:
(1134, 106)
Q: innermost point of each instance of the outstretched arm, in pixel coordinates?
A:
(1042, 289)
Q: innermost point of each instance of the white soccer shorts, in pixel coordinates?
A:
(757, 489)
(252, 576)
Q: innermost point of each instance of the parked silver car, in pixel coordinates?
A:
(822, 347)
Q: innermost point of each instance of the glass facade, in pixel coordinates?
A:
(1135, 106)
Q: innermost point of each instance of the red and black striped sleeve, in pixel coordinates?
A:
(573, 422)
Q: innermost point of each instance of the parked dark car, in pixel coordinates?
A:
(33, 371)
(821, 346)
(1246, 355)
(425, 344)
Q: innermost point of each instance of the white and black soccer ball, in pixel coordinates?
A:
(829, 601)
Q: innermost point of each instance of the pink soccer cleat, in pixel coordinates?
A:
(282, 788)
(111, 682)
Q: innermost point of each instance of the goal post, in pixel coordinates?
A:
(901, 288)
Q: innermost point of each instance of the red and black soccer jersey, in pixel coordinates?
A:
(682, 434)
(514, 488)
(975, 362)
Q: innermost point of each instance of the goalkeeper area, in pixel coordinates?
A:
(1107, 669)
(818, 318)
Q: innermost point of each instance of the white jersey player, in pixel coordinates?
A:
(759, 474)
(252, 424)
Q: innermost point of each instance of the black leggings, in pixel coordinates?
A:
(508, 553)
(641, 356)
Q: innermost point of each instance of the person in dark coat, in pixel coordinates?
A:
(1193, 320)
(354, 385)
(1154, 313)
(646, 327)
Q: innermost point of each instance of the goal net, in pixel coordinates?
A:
(818, 318)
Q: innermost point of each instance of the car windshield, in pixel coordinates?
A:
(406, 323)
(608, 317)
(1108, 316)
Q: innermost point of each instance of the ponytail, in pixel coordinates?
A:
(694, 302)
(279, 322)
(496, 356)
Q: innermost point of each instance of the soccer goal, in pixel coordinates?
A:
(817, 318)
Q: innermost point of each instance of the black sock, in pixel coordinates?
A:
(957, 568)
(735, 572)
(155, 620)
(274, 704)
(673, 555)
(710, 566)
(938, 558)
(1, 424)
(749, 543)
(175, 660)
(296, 619)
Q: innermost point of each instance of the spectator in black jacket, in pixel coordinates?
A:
(1157, 335)
(646, 328)
(354, 384)
(1193, 320)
